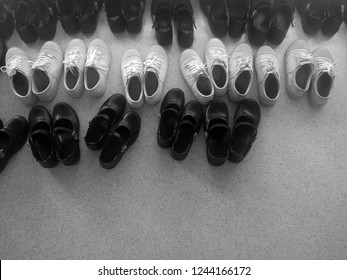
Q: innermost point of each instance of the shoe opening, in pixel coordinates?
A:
(20, 84)
(168, 122)
(303, 76)
(186, 134)
(204, 85)
(135, 88)
(72, 78)
(324, 85)
(271, 87)
(97, 130)
(41, 80)
(243, 82)
(92, 77)
(218, 142)
(219, 76)
(151, 83)
(41, 146)
(5, 140)
(242, 139)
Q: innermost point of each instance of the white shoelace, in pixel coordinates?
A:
(14, 65)
(268, 66)
(216, 57)
(153, 62)
(94, 59)
(325, 66)
(303, 58)
(132, 69)
(43, 60)
(72, 61)
(244, 63)
(195, 68)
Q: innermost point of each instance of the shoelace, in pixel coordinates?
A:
(244, 63)
(94, 59)
(195, 68)
(303, 58)
(72, 61)
(268, 66)
(14, 65)
(325, 66)
(43, 60)
(153, 62)
(132, 69)
(217, 57)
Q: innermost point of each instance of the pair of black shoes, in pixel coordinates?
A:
(123, 14)
(6, 20)
(181, 11)
(54, 138)
(112, 132)
(12, 138)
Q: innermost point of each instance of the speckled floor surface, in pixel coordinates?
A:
(286, 200)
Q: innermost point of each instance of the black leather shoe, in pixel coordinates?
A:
(161, 16)
(67, 14)
(12, 138)
(66, 128)
(184, 19)
(187, 130)
(282, 18)
(40, 138)
(24, 21)
(171, 110)
(6, 21)
(238, 17)
(215, 11)
(133, 13)
(3, 51)
(87, 15)
(110, 113)
(119, 140)
(260, 21)
(114, 13)
(334, 17)
(44, 20)
(217, 132)
(246, 122)
(312, 14)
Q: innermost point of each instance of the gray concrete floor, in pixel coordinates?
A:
(286, 200)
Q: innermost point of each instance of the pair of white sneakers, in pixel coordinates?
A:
(143, 80)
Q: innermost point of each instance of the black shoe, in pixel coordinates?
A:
(161, 16)
(41, 138)
(119, 140)
(312, 14)
(44, 20)
(3, 51)
(67, 14)
(110, 113)
(260, 21)
(184, 19)
(66, 128)
(246, 122)
(170, 114)
(6, 21)
(187, 130)
(87, 15)
(217, 132)
(238, 17)
(282, 18)
(24, 21)
(216, 13)
(12, 138)
(114, 15)
(334, 17)
(133, 13)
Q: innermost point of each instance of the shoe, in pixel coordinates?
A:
(170, 114)
(260, 21)
(266, 65)
(282, 18)
(24, 22)
(114, 14)
(44, 20)
(74, 61)
(67, 14)
(12, 138)
(299, 68)
(188, 128)
(6, 21)
(19, 72)
(132, 74)
(240, 72)
(97, 67)
(323, 77)
(66, 128)
(87, 15)
(3, 51)
(162, 17)
(110, 113)
(184, 19)
(154, 74)
(238, 17)
(334, 17)
(40, 137)
(217, 132)
(312, 14)
(133, 13)
(245, 129)
(46, 71)
(217, 65)
(196, 76)
(120, 139)
(215, 11)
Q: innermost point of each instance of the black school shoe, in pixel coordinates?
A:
(119, 139)
(334, 17)
(87, 15)
(238, 17)
(187, 130)
(184, 19)
(114, 14)
(110, 113)
(44, 20)
(40, 138)
(260, 21)
(12, 138)
(170, 114)
(217, 132)
(312, 14)
(215, 11)
(66, 128)
(133, 13)
(161, 16)
(24, 21)
(67, 14)
(6, 21)
(246, 122)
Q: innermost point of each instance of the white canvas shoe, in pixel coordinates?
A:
(195, 74)
(97, 67)
(217, 65)
(240, 72)
(19, 71)
(74, 61)
(132, 74)
(46, 71)
(155, 69)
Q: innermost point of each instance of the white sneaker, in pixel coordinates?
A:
(74, 61)
(266, 65)
(240, 72)
(97, 67)
(155, 69)
(217, 65)
(196, 76)
(46, 71)
(132, 71)
(19, 72)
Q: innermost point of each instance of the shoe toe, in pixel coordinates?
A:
(322, 52)
(188, 54)
(298, 44)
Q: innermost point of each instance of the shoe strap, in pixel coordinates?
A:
(219, 124)
(245, 123)
(71, 133)
(32, 146)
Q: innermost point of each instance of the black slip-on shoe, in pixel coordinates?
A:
(133, 13)
(24, 22)
(44, 20)
(312, 14)
(215, 11)
(3, 51)
(12, 138)
(67, 14)
(334, 17)
(6, 21)
(110, 113)
(246, 122)
(217, 132)
(260, 21)
(170, 114)
(119, 139)
(162, 18)
(184, 19)
(238, 17)
(114, 14)
(87, 15)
